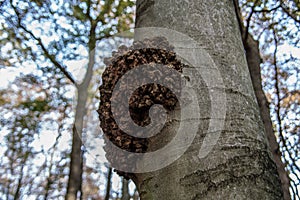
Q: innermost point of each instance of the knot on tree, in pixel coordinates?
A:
(149, 52)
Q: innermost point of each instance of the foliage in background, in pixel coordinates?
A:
(33, 108)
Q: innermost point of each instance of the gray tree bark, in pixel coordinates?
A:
(240, 164)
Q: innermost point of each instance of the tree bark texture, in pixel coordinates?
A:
(240, 164)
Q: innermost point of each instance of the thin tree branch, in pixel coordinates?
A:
(46, 52)
(248, 21)
(88, 13)
(106, 9)
(108, 185)
(278, 109)
(20, 179)
(238, 15)
(91, 45)
(266, 10)
(51, 57)
(286, 10)
(103, 37)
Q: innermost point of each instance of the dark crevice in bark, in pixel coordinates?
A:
(239, 170)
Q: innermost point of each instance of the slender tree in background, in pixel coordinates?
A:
(108, 184)
(125, 190)
(240, 165)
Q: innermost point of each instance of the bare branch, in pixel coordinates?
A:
(106, 9)
(88, 13)
(248, 21)
(103, 37)
(287, 11)
(278, 108)
(45, 51)
(267, 10)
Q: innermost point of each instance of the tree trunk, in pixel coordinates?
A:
(75, 175)
(108, 185)
(240, 165)
(125, 190)
(19, 186)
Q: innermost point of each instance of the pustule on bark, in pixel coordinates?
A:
(125, 60)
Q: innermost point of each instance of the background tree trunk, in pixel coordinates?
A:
(254, 60)
(75, 175)
(125, 190)
(240, 165)
(108, 185)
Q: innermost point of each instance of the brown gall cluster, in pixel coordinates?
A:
(148, 52)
